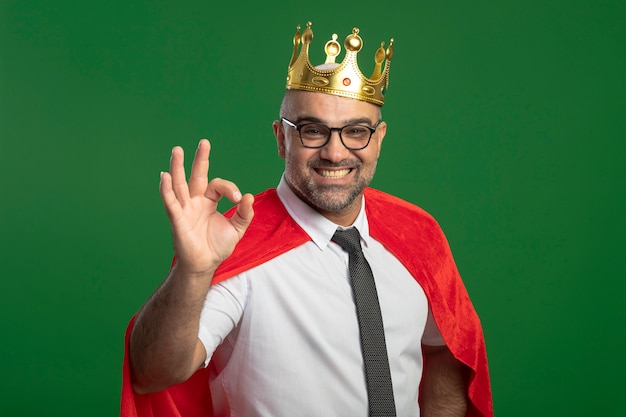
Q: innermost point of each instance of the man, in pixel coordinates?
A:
(257, 316)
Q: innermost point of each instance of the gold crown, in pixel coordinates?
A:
(345, 79)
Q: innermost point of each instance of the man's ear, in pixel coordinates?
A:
(381, 131)
(279, 133)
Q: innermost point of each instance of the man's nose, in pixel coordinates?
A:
(334, 149)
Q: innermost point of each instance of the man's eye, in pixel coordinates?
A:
(355, 131)
(312, 130)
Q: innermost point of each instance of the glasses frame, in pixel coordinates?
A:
(297, 127)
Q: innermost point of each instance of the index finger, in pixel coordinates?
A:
(198, 179)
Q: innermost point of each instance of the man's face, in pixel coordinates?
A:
(331, 179)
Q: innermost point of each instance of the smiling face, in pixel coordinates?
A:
(330, 179)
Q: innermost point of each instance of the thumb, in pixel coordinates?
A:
(244, 214)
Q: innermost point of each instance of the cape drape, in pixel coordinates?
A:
(408, 232)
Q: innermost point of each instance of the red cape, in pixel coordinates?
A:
(408, 232)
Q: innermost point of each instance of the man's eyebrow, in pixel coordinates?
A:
(353, 121)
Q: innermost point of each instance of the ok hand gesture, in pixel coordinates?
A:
(203, 237)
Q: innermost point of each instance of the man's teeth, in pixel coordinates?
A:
(334, 174)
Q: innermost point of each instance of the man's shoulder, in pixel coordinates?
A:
(384, 205)
(271, 233)
(398, 224)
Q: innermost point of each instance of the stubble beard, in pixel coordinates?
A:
(328, 197)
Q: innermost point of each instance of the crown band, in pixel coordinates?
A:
(344, 79)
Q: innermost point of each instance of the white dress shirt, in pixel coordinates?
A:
(284, 338)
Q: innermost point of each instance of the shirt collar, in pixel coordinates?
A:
(318, 227)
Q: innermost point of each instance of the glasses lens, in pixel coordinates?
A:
(355, 137)
(313, 134)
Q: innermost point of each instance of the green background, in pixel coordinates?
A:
(506, 122)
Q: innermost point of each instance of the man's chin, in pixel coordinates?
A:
(333, 201)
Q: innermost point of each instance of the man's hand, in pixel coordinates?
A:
(203, 237)
(164, 344)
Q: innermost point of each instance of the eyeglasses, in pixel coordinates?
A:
(317, 135)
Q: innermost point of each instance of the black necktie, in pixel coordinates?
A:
(378, 377)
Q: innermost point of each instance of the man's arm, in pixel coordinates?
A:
(444, 384)
(164, 345)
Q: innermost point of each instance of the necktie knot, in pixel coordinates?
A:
(349, 240)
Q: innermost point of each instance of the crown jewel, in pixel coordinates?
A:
(344, 79)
